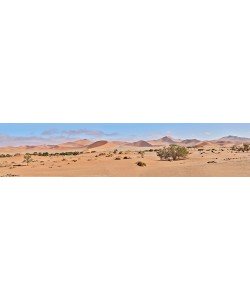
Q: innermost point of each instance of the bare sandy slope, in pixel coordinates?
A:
(103, 162)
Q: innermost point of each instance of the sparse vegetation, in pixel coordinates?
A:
(126, 157)
(117, 158)
(27, 158)
(109, 155)
(142, 153)
(173, 152)
(9, 175)
(141, 164)
(234, 148)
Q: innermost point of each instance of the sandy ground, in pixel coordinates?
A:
(224, 163)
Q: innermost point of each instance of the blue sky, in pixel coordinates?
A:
(40, 133)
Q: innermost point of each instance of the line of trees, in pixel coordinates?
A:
(5, 155)
(57, 153)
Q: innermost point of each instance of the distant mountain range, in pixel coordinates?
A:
(226, 140)
(234, 139)
(104, 144)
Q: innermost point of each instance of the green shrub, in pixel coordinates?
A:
(173, 152)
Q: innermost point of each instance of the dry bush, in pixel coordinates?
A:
(27, 158)
(142, 153)
(246, 147)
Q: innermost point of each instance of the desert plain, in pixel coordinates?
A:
(120, 159)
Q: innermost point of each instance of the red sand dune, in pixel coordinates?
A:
(76, 144)
(204, 144)
(97, 144)
(140, 144)
(105, 144)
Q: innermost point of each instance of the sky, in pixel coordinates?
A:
(53, 133)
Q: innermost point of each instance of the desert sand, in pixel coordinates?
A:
(101, 159)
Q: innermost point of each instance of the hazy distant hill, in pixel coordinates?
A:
(234, 139)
